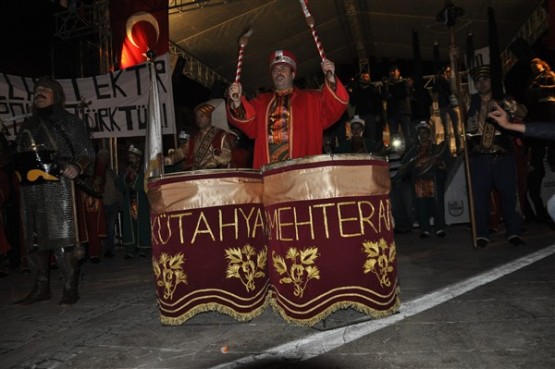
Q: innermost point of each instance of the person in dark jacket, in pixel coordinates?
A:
(367, 100)
(448, 104)
(396, 92)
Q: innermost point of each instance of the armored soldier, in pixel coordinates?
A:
(53, 148)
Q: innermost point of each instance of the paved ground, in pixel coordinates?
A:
(461, 308)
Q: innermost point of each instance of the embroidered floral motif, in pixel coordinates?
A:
(380, 259)
(242, 265)
(301, 270)
(169, 273)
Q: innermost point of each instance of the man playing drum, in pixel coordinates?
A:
(288, 122)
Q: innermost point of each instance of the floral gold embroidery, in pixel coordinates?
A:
(169, 273)
(381, 256)
(242, 264)
(302, 268)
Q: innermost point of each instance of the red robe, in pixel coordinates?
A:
(90, 214)
(184, 156)
(312, 111)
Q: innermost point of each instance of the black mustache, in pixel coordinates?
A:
(40, 95)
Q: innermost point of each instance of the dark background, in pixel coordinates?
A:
(29, 48)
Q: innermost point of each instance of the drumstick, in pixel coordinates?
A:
(310, 22)
(242, 43)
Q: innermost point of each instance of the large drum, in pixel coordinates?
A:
(209, 248)
(330, 237)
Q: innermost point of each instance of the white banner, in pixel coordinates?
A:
(456, 195)
(113, 105)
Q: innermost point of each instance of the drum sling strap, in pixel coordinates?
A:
(204, 147)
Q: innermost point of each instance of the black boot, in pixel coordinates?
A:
(69, 266)
(38, 262)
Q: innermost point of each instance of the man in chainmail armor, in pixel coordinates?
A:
(53, 149)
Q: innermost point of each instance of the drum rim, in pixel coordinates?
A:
(206, 173)
(313, 159)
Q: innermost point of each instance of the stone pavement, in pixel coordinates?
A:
(460, 308)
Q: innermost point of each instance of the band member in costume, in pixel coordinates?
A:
(357, 142)
(135, 215)
(209, 147)
(427, 163)
(287, 122)
(492, 162)
(48, 209)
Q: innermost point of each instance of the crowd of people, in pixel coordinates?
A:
(60, 212)
(506, 168)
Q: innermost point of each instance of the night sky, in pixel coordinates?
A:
(26, 29)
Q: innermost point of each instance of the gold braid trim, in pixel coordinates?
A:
(342, 305)
(269, 301)
(216, 307)
(204, 147)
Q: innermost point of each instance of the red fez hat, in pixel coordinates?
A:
(283, 57)
(206, 108)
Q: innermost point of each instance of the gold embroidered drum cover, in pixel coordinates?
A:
(209, 249)
(330, 237)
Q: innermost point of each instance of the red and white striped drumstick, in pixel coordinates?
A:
(310, 22)
(242, 43)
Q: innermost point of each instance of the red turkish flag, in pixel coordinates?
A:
(138, 26)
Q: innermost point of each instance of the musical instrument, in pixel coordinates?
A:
(310, 22)
(209, 250)
(329, 227)
(418, 165)
(425, 165)
(243, 40)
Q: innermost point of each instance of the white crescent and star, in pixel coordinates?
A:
(140, 17)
